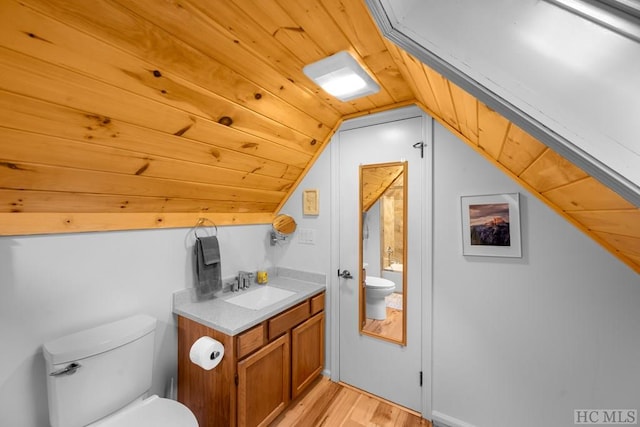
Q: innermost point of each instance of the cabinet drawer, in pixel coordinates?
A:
(317, 304)
(287, 320)
(250, 340)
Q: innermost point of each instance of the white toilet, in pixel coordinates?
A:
(101, 377)
(376, 289)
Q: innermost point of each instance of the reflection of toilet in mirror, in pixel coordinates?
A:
(376, 290)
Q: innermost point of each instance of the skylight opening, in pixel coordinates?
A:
(620, 16)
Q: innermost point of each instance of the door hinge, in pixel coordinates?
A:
(235, 379)
(420, 378)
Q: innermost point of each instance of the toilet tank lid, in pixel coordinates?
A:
(97, 340)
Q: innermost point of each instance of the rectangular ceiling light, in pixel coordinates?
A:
(340, 75)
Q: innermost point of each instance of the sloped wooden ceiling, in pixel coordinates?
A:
(137, 114)
(128, 114)
(377, 180)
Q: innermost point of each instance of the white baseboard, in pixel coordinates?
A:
(444, 420)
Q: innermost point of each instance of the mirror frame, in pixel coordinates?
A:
(361, 276)
(284, 224)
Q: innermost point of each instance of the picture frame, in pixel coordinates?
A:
(491, 225)
(310, 202)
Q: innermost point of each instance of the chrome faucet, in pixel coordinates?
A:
(244, 279)
(389, 252)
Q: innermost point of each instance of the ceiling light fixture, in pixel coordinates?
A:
(342, 76)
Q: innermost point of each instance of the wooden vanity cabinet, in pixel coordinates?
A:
(263, 383)
(211, 395)
(307, 353)
(263, 368)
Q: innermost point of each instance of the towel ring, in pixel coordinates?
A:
(201, 223)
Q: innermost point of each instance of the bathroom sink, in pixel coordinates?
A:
(260, 298)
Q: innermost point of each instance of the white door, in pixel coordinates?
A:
(380, 367)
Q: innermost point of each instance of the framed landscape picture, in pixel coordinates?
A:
(491, 225)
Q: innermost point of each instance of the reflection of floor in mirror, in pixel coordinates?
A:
(394, 301)
(391, 327)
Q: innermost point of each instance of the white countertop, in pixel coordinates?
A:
(232, 319)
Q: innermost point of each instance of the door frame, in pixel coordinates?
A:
(426, 229)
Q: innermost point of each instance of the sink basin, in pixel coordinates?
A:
(260, 298)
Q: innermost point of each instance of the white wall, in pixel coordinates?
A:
(524, 342)
(312, 257)
(54, 285)
(371, 245)
(302, 256)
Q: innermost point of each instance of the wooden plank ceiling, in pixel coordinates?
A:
(131, 114)
(375, 180)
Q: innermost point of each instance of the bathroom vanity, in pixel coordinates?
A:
(271, 354)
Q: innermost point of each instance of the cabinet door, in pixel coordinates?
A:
(307, 353)
(263, 384)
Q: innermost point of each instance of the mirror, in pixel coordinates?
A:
(282, 226)
(383, 253)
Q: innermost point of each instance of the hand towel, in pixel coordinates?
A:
(207, 266)
(210, 250)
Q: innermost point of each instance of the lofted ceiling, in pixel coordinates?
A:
(132, 114)
(376, 180)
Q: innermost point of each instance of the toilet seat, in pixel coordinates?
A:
(153, 411)
(379, 282)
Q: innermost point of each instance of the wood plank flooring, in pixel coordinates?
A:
(391, 327)
(330, 404)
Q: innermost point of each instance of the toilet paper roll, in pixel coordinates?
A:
(206, 353)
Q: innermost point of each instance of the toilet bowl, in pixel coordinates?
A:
(376, 289)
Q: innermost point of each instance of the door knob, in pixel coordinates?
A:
(345, 274)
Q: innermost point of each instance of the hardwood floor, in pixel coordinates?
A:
(330, 404)
(390, 327)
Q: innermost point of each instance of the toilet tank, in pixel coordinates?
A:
(115, 368)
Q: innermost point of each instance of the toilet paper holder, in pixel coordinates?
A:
(206, 352)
